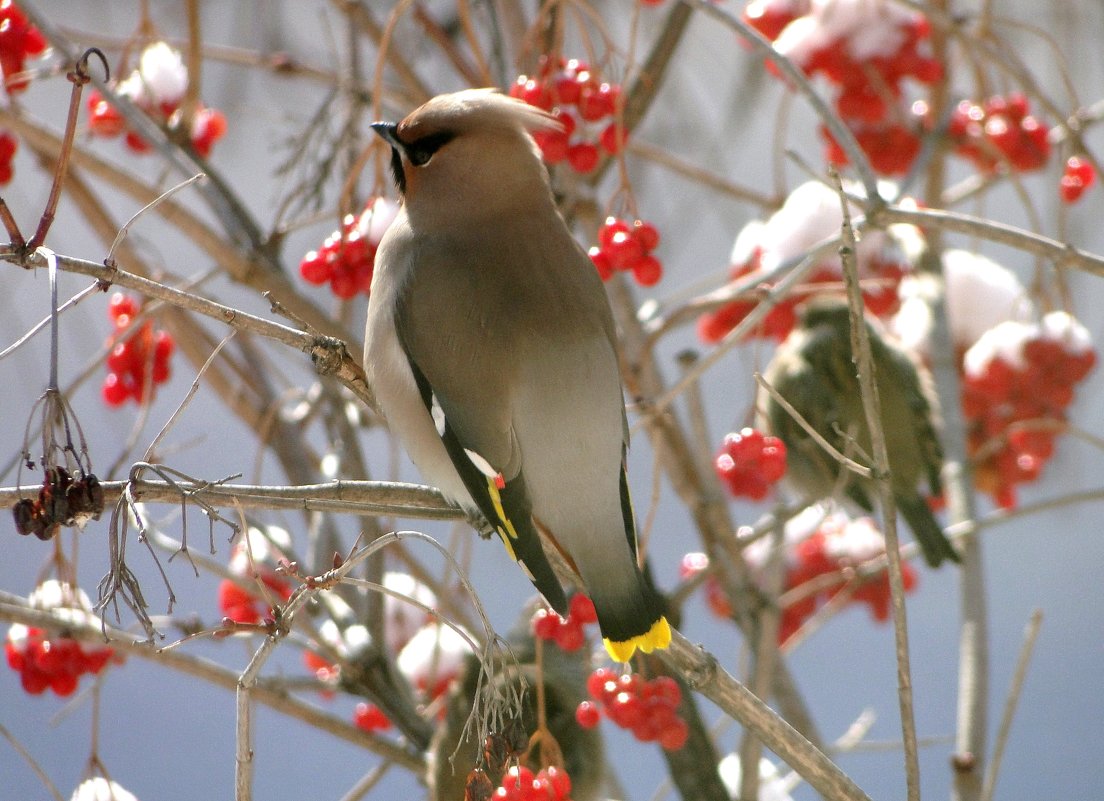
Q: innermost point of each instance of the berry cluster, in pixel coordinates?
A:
(347, 257)
(866, 51)
(49, 661)
(1000, 130)
(156, 86)
(370, 718)
(1077, 176)
(139, 360)
(582, 103)
(817, 546)
(836, 548)
(62, 501)
(810, 215)
(568, 633)
(251, 561)
(647, 708)
(547, 784)
(100, 789)
(19, 40)
(1018, 380)
(750, 463)
(433, 658)
(624, 245)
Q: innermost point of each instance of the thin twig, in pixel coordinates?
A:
(1015, 690)
(864, 362)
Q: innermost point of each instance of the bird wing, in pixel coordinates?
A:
(915, 382)
(461, 342)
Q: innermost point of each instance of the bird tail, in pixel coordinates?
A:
(630, 618)
(926, 529)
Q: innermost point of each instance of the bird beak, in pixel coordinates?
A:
(388, 132)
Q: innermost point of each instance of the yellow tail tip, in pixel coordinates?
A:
(657, 637)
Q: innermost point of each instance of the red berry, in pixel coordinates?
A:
(114, 391)
(587, 715)
(120, 303)
(647, 270)
(582, 609)
(601, 263)
(370, 718)
(583, 157)
(646, 234)
(613, 138)
(624, 250)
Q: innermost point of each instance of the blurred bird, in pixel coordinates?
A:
(490, 347)
(813, 370)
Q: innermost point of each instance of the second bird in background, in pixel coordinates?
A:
(814, 371)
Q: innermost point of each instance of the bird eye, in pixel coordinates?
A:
(420, 151)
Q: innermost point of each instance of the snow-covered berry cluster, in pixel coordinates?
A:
(62, 501)
(1077, 176)
(347, 256)
(1018, 380)
(809, 216)
(998, 131)
(139, 359)
(100, 789)
(433, 658)
(866, 51)
(1019, 369)
(49, 660)
(627, 246)
(19, 40)
(817, 545)
(157, 86)
(750, 463)
(646, 707)
(547, 784)
(567, 632)
(253, 561)
(584, 104)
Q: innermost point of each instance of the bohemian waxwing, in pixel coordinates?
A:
(813, 370)
(490, 347)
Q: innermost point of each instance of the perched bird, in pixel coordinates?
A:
(813, 370)
(490, 347)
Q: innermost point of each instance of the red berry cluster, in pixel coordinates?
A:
(62, 501)
(139, 359)
(1077, 176)
(647, 708)
(51, 662)
(547, 784)
(48, 660)
(244, 606)
(582, 103)
(818, 556)
(1000, 130)
(624, 245)
(18, 41)
(881, 278)
(255, 558)
(157, 87)
(1014, 398)
(347, 257)
(750, 463)
(567, 633)
(868, 87)
(370, 718)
